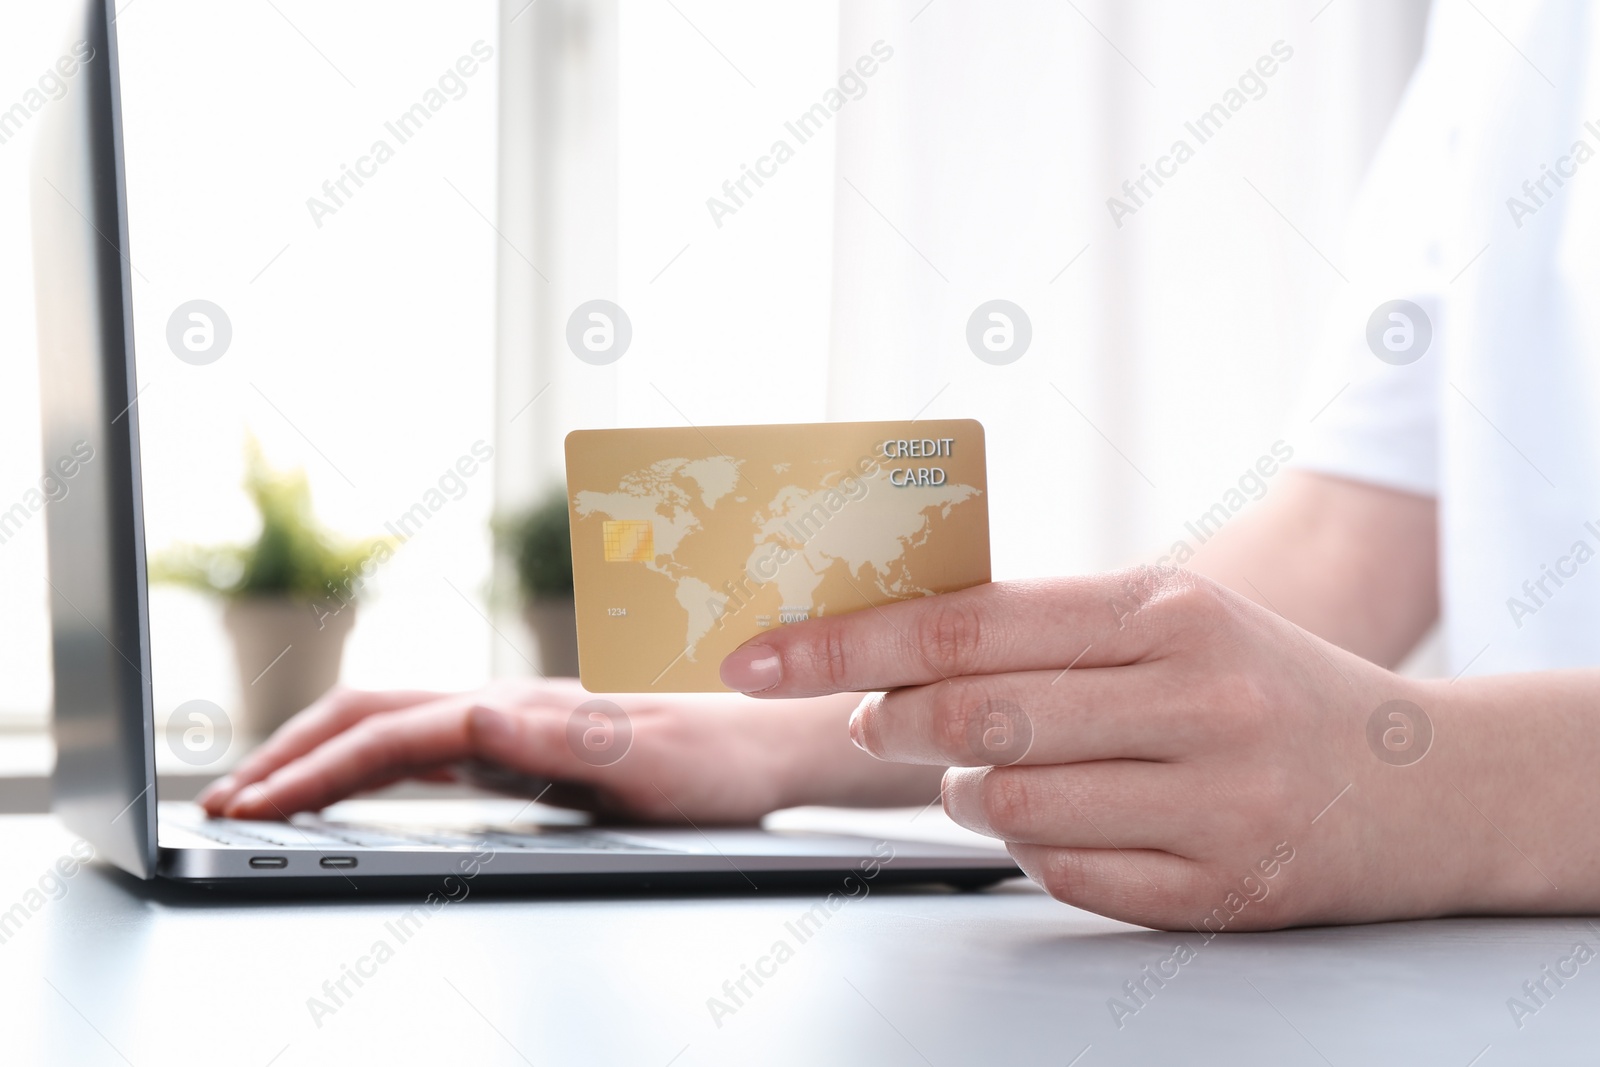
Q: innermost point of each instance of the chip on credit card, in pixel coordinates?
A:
(689, 541)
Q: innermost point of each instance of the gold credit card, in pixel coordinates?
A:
(688, 542)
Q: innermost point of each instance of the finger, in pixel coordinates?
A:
(1141, 712)
(1099, 621)
(1148, 887)
(377, 749)
(336, 711)
(404, 743)
(1113, 804)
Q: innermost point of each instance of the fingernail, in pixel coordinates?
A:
(246, 802)
(214, 790)
(234, 809)
(963, 807)
(855, 730)
(961, 790)
(752, 669)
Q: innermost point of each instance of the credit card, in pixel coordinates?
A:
(688, 541)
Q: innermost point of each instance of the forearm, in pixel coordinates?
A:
(1353, 563)
(1512, 776)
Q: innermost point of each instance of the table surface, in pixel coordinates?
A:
(113, 971)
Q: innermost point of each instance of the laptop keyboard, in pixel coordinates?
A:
(324, 835)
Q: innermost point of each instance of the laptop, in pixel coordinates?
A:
(105, 786)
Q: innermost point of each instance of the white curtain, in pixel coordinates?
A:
(1167, 351)
(973, 162)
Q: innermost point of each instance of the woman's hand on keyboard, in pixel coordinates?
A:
(668, 758)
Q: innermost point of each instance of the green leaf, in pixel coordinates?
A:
(539, 542)
(293, 556)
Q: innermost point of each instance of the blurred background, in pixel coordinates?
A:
(386, 331)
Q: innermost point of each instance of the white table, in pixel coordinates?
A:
(116, 972)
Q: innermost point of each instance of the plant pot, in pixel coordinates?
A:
(553, 621)
(288, 654)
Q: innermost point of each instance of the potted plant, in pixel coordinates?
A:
(539, 542)
(289, 596)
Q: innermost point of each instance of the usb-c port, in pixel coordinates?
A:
(271, 863)
(339, 862)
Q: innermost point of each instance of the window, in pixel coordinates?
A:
(389, 313)
(359, 288)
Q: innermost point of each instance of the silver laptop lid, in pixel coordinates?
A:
(104, 780)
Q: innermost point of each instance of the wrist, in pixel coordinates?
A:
(1508, 777)
(804, 746)
(816, 763)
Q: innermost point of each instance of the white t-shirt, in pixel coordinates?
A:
(1500, 417)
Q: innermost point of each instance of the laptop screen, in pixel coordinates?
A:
(105, 765)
